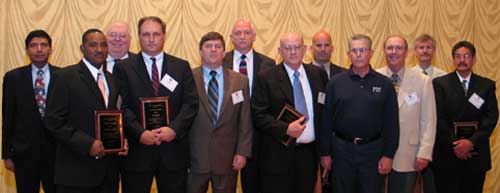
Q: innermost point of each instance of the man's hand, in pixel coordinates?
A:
(384, 165)
(97, 149)
(165, 134)
(462, 148)
(149, 138)
(326, 163)
(124, 152)
(421, 163)
(239, 162)
(296, 128)
(9, 164)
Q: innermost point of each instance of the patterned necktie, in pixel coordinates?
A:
(155, 78)
(39, 90)
(425, 72)
(243, 65)
(395, 80)
(464, 86)
(213, 96)
(298, 95)
(102, 88)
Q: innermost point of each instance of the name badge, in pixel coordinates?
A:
(169, 82)
(237, 97)
(412, 98)
(476, 100)
(321, 98)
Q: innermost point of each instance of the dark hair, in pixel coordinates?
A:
(212, 36)
(37, 34)
(464, 44)
(89, 31)
(154, 19)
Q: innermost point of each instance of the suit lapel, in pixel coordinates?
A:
(89, 80)
(140, 68)
(228, 60)
(27, 84)
(227, 89)
(256, 64)
(202, 94)
(311, 77)
(113, 94)
(285, 85)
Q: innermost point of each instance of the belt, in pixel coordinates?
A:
(356, 140)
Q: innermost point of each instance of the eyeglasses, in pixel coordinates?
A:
(462, 56)
(117, 35)
(359, 50)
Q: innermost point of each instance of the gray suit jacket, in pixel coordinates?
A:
(212, 149)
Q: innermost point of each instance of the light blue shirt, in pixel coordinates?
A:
(149, 64)
(220, 82)
(46, 75)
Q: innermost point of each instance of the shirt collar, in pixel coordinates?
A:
(290, 71)
(237, 54)
(35, 69)
(158, 56)
(109, 58)
(462, 79)
(93, 70)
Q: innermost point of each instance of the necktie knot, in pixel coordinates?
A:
(425, 72)
(296, 74)
(213, 73)
(153, 59)
(40, 72)
(464, 86)
(396, 81)
(243, 57)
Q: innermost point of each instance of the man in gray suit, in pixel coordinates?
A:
(245, 60)
(220, 137)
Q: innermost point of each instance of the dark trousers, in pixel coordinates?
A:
(355, 166)
(108, 185)
(459, 180)
(250, 176)
(198, 183)
(167, 181)
(34, 166)
(301, 176)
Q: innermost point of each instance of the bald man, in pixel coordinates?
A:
(118, 39)
(322, 49)
(245, 60)
(289, 168)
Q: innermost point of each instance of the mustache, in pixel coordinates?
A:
(462, 64)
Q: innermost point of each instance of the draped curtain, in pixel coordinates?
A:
(477, 21)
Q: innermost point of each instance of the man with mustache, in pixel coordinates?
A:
(79, 90)
(161, 153)
(417, 117)
(118, 39)
(245, 60)
(424, 49)
(467, 113)
(322, 50)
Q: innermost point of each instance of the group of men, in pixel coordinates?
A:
(364, 127)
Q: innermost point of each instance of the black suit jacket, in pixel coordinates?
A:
(135, 83)
(21, 122)
(272, 91)
(70, 118)
(452, 105)
(334, 70)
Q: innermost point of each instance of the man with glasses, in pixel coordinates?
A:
(118, 39)
(289, 166)
(417, 117)
(360, 126)
(467, 113)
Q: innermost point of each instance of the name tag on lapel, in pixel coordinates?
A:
(476, 100)
(168, 82)
(321, 98)
(237, 97)
(411, 99)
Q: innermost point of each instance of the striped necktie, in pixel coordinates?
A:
(213, 96)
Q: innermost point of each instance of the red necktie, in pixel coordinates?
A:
(155, 79)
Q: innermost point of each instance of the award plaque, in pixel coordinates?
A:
(464, 130)
(154, 112)
(288, 114)
(109, 130)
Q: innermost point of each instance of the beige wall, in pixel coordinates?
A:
(187, 20)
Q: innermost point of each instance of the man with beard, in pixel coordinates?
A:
(467, 113)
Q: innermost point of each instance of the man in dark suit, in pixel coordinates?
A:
(322, 50)
(161, 152)
(461, 161)
(221, 136)
(118, 39)
(245, 60)
(79, 90)
(289, 168)
(27, 148)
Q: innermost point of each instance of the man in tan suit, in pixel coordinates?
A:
(417, 117)
(221, 137)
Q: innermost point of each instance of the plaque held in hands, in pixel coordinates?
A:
(109, 130)
(464, 130)
(288, 114)
(154, 112)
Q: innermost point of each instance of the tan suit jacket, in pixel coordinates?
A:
(417, 119)
(212, 149)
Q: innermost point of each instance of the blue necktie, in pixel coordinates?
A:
(298, 95)
(213, 96)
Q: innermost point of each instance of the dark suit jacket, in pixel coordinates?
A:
(70, 118)
(183, 101)
(452, 105)
(334, 70)
(272, 91)
(21, 122)
(213, 149)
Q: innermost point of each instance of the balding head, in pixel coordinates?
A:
(322, 47)
(292, 49)
(243, 35)
(118, 38)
